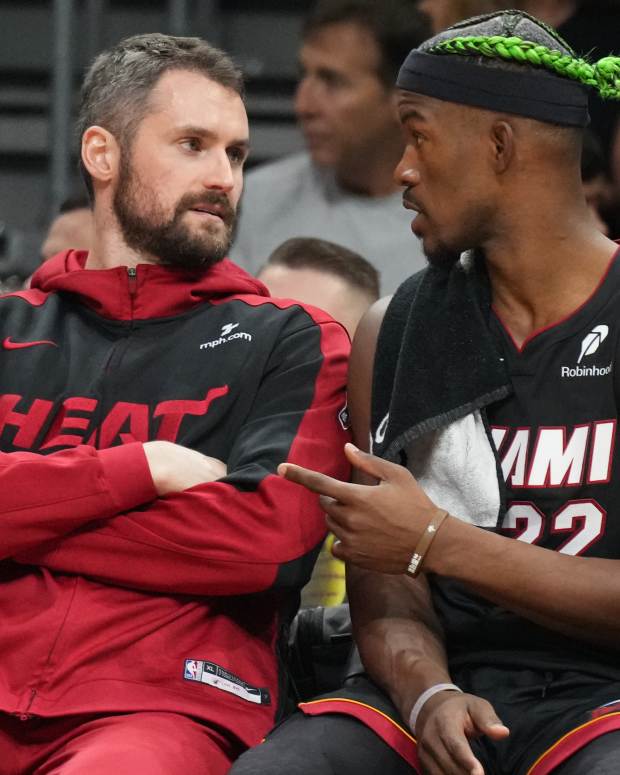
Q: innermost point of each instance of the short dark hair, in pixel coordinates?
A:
(328, 257)
(396, 25)
(118, 84)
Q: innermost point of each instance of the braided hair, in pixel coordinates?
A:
(518, 38)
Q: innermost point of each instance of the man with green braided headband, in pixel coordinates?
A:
(493, 418)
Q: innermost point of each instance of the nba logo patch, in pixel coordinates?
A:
(193, 670)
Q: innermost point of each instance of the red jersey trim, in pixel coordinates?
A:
(33, 296)
(386, 728)
(572, 742)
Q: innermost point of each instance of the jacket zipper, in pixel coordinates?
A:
(132, 287)
(132, 278)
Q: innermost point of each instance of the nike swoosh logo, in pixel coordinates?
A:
(9, 344)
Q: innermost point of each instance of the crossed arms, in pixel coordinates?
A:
(164, 518)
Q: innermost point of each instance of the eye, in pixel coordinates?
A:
(192, 144)
(237, 155)
(333, 80)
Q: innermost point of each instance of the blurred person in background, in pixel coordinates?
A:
(71, 228)
(341, 188)
(444, 13)
(325, 275)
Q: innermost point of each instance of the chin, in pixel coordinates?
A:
(323, 157)
(440, 254)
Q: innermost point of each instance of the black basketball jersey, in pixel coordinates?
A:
(556, 441)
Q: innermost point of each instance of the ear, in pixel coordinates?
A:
(503, 145)
(100, 154)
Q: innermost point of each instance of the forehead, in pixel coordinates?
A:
(413, 105)
(430, 110)
(346, 46)
(187, 98)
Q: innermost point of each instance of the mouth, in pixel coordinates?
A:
(210, 210)
(419, 215)
(314, 136)
(408, 204)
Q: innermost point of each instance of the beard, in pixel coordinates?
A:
(445, 253)
(442, 256)
(147, 229)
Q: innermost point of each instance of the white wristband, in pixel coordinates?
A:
(425, 697)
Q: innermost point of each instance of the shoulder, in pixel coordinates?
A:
(365, 340)
(361, 367)
(291, 314)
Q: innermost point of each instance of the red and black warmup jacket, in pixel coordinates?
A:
(112, 599)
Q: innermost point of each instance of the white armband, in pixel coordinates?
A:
(425, 697)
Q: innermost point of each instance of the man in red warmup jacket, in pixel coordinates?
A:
(150, 558)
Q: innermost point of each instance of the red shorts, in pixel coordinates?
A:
(145, 743)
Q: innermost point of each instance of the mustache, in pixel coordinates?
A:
(226, 211)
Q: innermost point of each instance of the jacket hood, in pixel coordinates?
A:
(155, 291)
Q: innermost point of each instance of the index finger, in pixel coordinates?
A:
(315, 481)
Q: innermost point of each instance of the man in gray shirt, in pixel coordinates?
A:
(342, 188)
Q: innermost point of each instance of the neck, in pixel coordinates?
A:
(375, 176)
(541, 274)
(109, 248)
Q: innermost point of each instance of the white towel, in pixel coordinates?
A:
(456, 468)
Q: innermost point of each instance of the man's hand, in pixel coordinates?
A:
(175, 468)
(378, 527)
(444, 727)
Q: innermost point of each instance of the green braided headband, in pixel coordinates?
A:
(604, 75)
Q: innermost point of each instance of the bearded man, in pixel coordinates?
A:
(149, 555)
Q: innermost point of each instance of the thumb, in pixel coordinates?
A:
(370, 464)
(487, 722)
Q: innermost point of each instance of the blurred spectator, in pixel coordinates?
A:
(444, 13)
(342, 188)
(325, 275)
(72, 228)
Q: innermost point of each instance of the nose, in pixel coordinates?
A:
(406, 172)
(306, 103)
(219, 173)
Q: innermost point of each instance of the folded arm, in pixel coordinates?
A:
(43, 497)
(251, 530)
